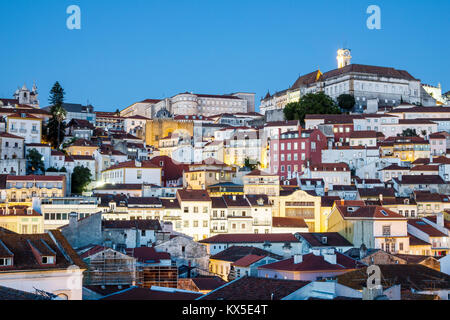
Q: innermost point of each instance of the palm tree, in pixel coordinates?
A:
(59, 113)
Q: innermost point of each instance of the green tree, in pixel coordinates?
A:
(251, 164)
(346, 102)
(81, 177)
(35, 163)
(55, 129)
(409, 133)
(311, 103)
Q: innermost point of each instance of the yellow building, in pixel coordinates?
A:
(22, 189)
(260, 182)
(21, 219)
(418, 246)
(407, 149)
(82, 147)
(159, 128)
(299, 204)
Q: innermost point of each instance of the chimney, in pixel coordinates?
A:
(137, 163)
(298, 258)
(440, 219)
(362, 251)
(381, 197)
(73, 219)
(342, 202)
(330, 258)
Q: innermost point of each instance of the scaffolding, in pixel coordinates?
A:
(162, 276)
(112, 268)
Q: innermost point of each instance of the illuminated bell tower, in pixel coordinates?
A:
(343, 57)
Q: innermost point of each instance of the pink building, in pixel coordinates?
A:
(291, 152)
(438, 144)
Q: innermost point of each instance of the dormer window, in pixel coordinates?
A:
(6, 262)
(48, 260)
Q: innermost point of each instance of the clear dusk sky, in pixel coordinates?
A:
(127, 51)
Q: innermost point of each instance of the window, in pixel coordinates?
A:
(139, 174)
(48, 260)
(5, 262)
(386, 231)
(186, 210)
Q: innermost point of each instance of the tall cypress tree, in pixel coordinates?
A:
(56, 126)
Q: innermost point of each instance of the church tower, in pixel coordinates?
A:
(343, 57)
(27, 97)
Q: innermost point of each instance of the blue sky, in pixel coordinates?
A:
(127, 51)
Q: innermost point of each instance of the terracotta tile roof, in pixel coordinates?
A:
(259, 173)
(24, 259)
(57, 153)
(139, 117)
(311, 262)
(146, 164)
(374, 212)
(425, 168)
(394, 167)
(132, 224)
(422, 179)
(282, 123)
(18, 211)
(218, 203)
(412, 258)
(83, 143)
(35, 178)
(82, 158)
(26, 115)
(208, 283)
(256, 289)
(328, 201)
(235, 201)
(375, 192)
(170, 203)
(254, 199)
(248, 260)
(426, 196)
(307, 79)
(80, 124)
(288, 222)
(144, 201)
(433, 219)
(193, 195)
(409, 276)
(330, 167)
(414, 121)
(251, 238)
(333, 239)
(135, 293)
(147, 254)
(426, 228)
(363, 134)
(367, 69)
(120, 186)
(94, 250)
(235, 253)
(13, 294)
(12, 136)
